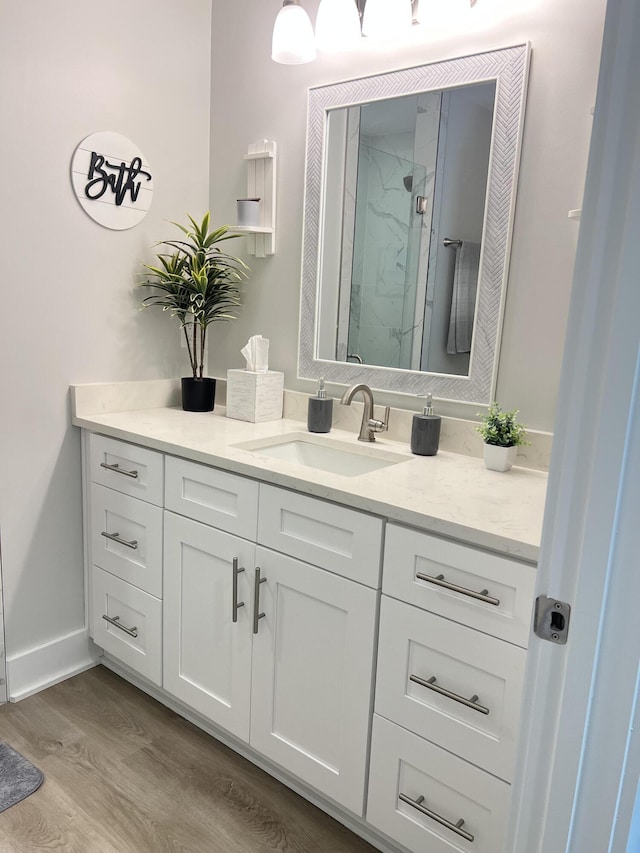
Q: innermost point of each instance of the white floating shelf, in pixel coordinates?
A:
(575, 214)
(259, 155)
(261, 183)
(250, 229)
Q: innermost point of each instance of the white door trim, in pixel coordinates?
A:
(571, 758)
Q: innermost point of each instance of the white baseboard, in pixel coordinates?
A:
(43, 666)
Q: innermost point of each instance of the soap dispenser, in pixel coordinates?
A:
(320, 411)
(425, 431)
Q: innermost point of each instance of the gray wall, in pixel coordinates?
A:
(254, 98)
(69, 307)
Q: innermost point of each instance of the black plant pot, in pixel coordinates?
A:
(198, 395)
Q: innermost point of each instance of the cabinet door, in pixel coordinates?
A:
(126, 623)
(135, 471)
(485, 591)
(215, 497)
(207, 656)
(454, 686)
(312, 675)
(430, 801)
(126, 538)
(344, 541)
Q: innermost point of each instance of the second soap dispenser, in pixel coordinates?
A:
(320, 411)
(425, 431)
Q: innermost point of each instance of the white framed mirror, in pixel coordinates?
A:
(409, 198)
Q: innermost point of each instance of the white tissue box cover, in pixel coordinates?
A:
(255, 397)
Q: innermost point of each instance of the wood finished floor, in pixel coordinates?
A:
(123, 774)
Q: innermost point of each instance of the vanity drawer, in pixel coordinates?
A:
(126, 538)
(126, 468)
(344, 541)
(403, 764)
(466, 665)
(134, 634)
(485, 591)
(215, 497)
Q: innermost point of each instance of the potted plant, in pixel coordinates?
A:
(199, 284)
(502, 436)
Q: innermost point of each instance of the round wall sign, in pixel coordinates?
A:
(112, 180)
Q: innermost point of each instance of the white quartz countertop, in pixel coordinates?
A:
(448, 494)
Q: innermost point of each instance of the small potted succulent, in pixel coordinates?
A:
(502, 436)
(198, 283)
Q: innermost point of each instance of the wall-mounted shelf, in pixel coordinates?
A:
(575, 214)
(252, 229)
(260, 155)
(261, 183)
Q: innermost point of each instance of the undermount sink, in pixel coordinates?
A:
(335, 457)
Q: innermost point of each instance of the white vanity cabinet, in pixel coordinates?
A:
(454, 625)
(125, 546)
(273, 614)
(275, 650)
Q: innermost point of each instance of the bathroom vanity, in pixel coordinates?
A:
(354, 619)
(362, 636)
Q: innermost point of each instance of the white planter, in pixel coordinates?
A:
(499, 458)
(249, 212)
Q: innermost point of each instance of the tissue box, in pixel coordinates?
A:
(255, 397)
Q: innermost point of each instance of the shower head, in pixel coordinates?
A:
(408, 182)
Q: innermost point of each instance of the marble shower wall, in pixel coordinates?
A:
(391, 240)
(380, 249)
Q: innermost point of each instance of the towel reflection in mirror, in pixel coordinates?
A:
(463, 298)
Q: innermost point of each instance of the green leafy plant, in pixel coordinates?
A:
(501, 428)
(196, 282)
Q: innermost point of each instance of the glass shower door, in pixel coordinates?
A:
(386, 240)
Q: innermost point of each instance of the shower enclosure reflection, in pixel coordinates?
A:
(403, 174)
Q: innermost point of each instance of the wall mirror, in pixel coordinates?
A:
(409, 198)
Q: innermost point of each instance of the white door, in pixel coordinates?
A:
(207, 655)
(312, 675)
(581, 743)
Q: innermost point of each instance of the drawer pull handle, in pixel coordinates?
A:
(115, 620)
(256, 601)
(236, 604)
(454, 827)
(118, 470)
(115, 537)
(440, 581)
(469, 703)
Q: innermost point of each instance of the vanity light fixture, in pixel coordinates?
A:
(338, 26)
(293, 42)
(386, 18)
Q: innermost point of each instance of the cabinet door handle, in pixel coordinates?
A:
(440, 581)
(236, 604)
(256, 601)
(469, 703)
(454, 827)
(118, 470)
(115, 620)
(115, 537)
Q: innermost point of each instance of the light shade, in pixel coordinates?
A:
(386, 18)
(293, 42)
(337, 25)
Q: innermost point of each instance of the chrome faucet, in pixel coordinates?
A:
(369, 425)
